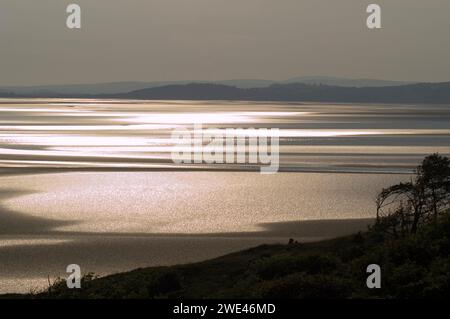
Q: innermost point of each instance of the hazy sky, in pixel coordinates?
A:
(148, 40)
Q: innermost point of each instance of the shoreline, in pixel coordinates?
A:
(11, 171)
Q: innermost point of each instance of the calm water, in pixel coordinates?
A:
(120, 203)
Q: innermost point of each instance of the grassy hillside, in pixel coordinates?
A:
(415, 266)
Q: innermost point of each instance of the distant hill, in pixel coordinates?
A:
(413, 93)
(426, 93)
(5, 94)
(124, 87)
(80, 89)
(191, 91)
(119, 87)
(334, 81)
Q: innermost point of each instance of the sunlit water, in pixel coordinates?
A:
(127, 134)
(121, 203)
(189, 202)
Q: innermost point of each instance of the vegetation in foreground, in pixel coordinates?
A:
(410, 241)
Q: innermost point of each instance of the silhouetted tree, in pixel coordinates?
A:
(403, 208)
(434, 174)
